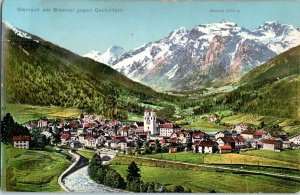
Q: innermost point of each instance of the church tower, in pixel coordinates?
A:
(150, 124)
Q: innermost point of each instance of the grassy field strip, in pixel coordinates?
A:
(86, 153)
(219, 167)
(232, 158)
(292, 156)
(202, 180)
(240, 118)
(33, 170)
(198, 123)
(23, 113)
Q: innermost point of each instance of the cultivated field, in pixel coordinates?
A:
(23, 113)
(286, 159)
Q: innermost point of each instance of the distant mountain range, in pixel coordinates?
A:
(38, 72)
(208, 54)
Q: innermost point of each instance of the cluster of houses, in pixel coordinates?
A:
(92, 131)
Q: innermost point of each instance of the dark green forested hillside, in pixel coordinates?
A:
(275, 86)
(41, 73)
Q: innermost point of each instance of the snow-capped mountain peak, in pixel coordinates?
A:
(16, 30)
(110, 55)
(94, 54)
(276, 28)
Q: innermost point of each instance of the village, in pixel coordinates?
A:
(91, 132)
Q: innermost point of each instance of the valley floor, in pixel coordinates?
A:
(205, 181)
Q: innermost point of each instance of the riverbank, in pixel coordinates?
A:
(79, 162)
(79, 181)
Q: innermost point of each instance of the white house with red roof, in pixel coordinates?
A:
(295, 140)
(165, 130)
(31, 125)
(261, 134)
(42, 123)
(247, 134)
(272, 144)
(240, 142)
(225, 149)
(205, 146)
(21, 141)
(164, 142)
(65, 137)
(114, 122)
(223, 134)
(123, 131)
(175, 135)
(199, 136)
(226, 141)
(185, 137)
(91, 141)
(241, 127)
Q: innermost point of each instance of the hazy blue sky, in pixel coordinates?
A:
(139, 21)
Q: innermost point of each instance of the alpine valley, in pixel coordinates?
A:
(208, 55)
(200, 110)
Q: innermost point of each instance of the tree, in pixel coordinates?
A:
(135, 186)
(167, 112)
(133, 172)
(56, 136)
(147, 148)
(262, 124)
(10, 128)
(7, 126)
(96, 160)
(157, 147)
(151, 187)
(38, 140)
(114, 179)
(196, 149)
(178, 188)
(94, 165)
(101, 174)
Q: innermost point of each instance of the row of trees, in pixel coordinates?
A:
(105, 175)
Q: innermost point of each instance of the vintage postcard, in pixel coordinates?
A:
(150, 96)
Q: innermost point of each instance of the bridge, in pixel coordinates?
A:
(106, 155)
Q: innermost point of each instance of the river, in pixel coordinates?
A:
(79, 181)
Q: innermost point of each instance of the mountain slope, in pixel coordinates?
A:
(284, 65)
(274, 86)
(208, 54)
(38, 72)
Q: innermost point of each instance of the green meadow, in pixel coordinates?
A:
(23, 112)
(33, 170)
(203, 181)
(288, 159)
